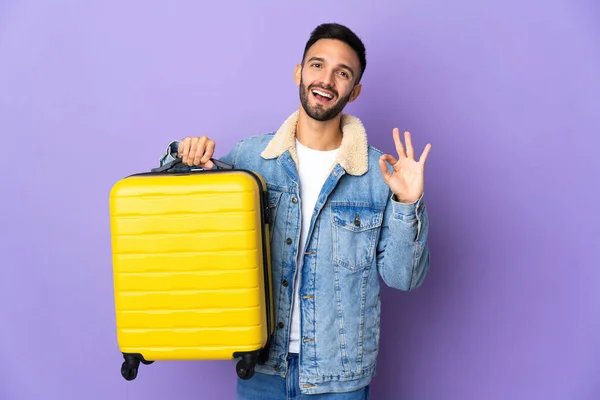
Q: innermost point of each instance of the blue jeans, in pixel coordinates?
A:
(272, 387)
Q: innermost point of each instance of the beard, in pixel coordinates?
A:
(319, 112)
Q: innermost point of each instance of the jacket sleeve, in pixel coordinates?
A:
(403, 248)
(170, 154)
(231, 157)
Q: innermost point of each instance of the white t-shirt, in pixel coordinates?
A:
(314, 167)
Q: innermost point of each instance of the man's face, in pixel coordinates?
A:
(327, 79)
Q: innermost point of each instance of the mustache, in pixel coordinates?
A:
(321, 86)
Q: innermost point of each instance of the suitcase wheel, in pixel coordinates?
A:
(244, 371)
(245, 367)
(129, 370)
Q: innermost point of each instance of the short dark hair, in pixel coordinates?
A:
(342, 33)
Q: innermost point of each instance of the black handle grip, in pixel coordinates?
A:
(168, 166)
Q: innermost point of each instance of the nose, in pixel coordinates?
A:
(327, 78)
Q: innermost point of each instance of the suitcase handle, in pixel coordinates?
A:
(219, 164)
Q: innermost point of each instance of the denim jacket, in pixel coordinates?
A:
(357, 233)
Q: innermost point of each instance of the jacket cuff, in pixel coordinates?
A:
(407, 210)
(170, 153)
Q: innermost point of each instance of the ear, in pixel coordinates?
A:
(355, 92)
(298, 74)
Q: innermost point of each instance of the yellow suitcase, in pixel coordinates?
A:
(191, 263)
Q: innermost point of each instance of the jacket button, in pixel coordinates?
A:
(288, 241)
(280, 325)
(285, 283)
(294, 200)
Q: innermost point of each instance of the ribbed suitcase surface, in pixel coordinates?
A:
(189, 265)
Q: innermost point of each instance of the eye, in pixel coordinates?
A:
(344, 74)
(316, 65)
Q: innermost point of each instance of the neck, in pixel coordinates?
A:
(319, 135)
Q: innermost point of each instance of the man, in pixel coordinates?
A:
(338, 222)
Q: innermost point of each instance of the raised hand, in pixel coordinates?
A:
(407, 179)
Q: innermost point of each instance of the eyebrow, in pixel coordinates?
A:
(321, 59)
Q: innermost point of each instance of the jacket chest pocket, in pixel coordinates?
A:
(355, 230)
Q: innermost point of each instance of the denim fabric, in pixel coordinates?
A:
(273, 387)
(358, 234)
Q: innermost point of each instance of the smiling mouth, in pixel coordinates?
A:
(322, 95)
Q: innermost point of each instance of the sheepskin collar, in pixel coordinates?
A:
(353, 152)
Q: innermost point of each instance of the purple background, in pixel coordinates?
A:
(507, 92)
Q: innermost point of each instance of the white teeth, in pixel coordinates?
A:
(323, 94)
